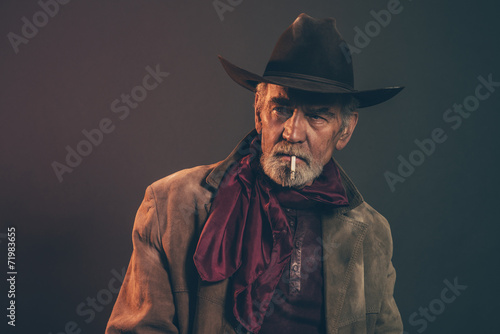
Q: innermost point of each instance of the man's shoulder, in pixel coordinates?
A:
(185, 180)
(376, 223)
(366, 213)
(179, 198)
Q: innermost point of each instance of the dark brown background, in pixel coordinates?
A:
(71, 235)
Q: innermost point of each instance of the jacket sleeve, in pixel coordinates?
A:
(389, 319)
(145, 303)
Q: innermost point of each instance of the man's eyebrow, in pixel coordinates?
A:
(321, 111)
(282, 101)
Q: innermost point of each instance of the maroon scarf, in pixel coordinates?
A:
(247, 224)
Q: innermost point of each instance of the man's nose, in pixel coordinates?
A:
(295, 128)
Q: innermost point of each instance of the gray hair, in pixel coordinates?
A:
(348, 105)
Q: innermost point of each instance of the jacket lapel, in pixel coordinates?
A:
(342, 265)
(342, 242)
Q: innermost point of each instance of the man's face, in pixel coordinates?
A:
(304, 124)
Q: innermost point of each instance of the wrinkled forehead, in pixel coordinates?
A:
(291, 96)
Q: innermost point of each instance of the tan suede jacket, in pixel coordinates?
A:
(162, 292)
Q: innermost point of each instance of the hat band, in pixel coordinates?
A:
(308, 78)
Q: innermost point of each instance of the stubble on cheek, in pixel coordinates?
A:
(279, 169)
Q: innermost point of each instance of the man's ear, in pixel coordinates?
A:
(258, 119)
(347, 132)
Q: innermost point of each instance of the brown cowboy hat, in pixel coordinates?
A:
(312, 56)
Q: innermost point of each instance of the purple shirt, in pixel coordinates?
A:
(297, 304)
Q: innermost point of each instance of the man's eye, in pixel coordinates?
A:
(282, 110)
(317, 118)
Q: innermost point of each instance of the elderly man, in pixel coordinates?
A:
(276, 238)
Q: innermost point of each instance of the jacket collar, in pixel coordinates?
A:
(215, 177)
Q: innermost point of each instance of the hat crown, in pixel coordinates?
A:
(311, 56)
(312, 49)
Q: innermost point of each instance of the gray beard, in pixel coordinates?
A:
(280, 171)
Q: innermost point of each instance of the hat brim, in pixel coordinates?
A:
(366, 98)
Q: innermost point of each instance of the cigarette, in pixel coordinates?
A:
(292, 167)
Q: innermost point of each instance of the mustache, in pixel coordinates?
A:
(284, 148)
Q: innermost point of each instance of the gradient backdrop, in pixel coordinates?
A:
(60, 79)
